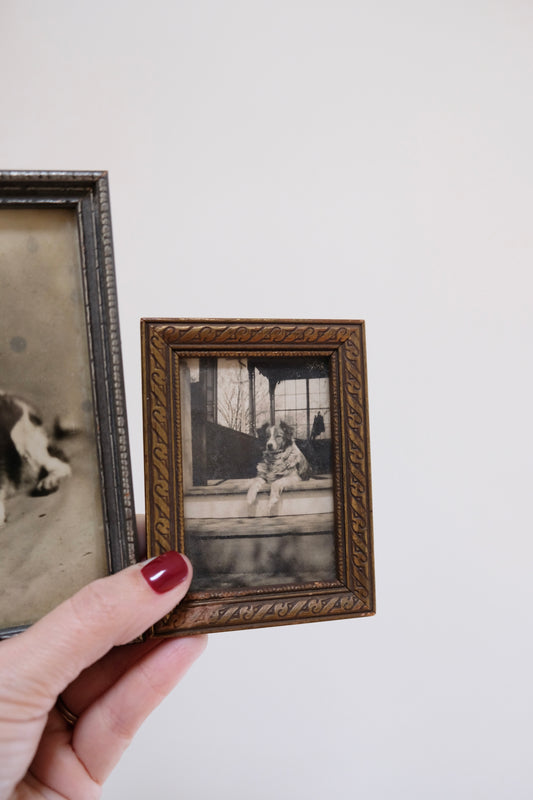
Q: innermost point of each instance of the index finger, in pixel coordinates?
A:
(42, 661)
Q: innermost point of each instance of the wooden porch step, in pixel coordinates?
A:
(227, 499)
(266, 527)
(240, 486)
(261, 552)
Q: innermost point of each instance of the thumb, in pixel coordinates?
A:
(39, 663)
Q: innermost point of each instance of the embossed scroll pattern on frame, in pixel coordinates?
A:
(261, 335)
(157, 444)
(357, 476)
(232, 615)
(343, 343)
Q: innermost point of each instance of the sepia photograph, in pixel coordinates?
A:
(257, 466)
(54, 517)
(258, 499)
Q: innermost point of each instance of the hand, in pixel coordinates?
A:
(80, 651)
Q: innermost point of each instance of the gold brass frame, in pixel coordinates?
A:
(342, 343)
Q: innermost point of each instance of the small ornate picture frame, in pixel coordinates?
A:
(258, 468)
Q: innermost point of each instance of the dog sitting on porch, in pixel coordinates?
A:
(283, 465)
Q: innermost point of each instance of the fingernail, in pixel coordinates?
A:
(166, 571)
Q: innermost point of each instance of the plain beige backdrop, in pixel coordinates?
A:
(339, 160)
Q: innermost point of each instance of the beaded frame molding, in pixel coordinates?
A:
(259, 561)
(83, 197)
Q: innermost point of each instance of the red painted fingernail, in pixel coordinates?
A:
(166, 571)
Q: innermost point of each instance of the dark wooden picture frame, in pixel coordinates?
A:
(60, 353)
(303, 556)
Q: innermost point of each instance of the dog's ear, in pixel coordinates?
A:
(288, 432)
(262, 432)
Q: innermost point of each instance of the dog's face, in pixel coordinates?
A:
(276, 438)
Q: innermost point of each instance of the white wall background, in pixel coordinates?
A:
(331, 159)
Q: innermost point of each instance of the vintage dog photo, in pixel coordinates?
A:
(51, 518)
(256, 463)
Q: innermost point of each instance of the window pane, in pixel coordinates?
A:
(301, 425)
(301, 401)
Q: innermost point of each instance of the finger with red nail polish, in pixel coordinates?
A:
(166, 571)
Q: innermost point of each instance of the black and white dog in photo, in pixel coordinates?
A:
(282, 466)
(27, 457)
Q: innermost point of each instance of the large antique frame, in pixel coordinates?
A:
(85, 195)
(165, 343)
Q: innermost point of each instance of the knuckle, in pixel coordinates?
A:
(152, 687)
(119, 724)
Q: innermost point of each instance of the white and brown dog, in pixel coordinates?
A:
(283, 464)
(27, 457)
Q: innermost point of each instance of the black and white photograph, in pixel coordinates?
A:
(59, 397)
(257, 483)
